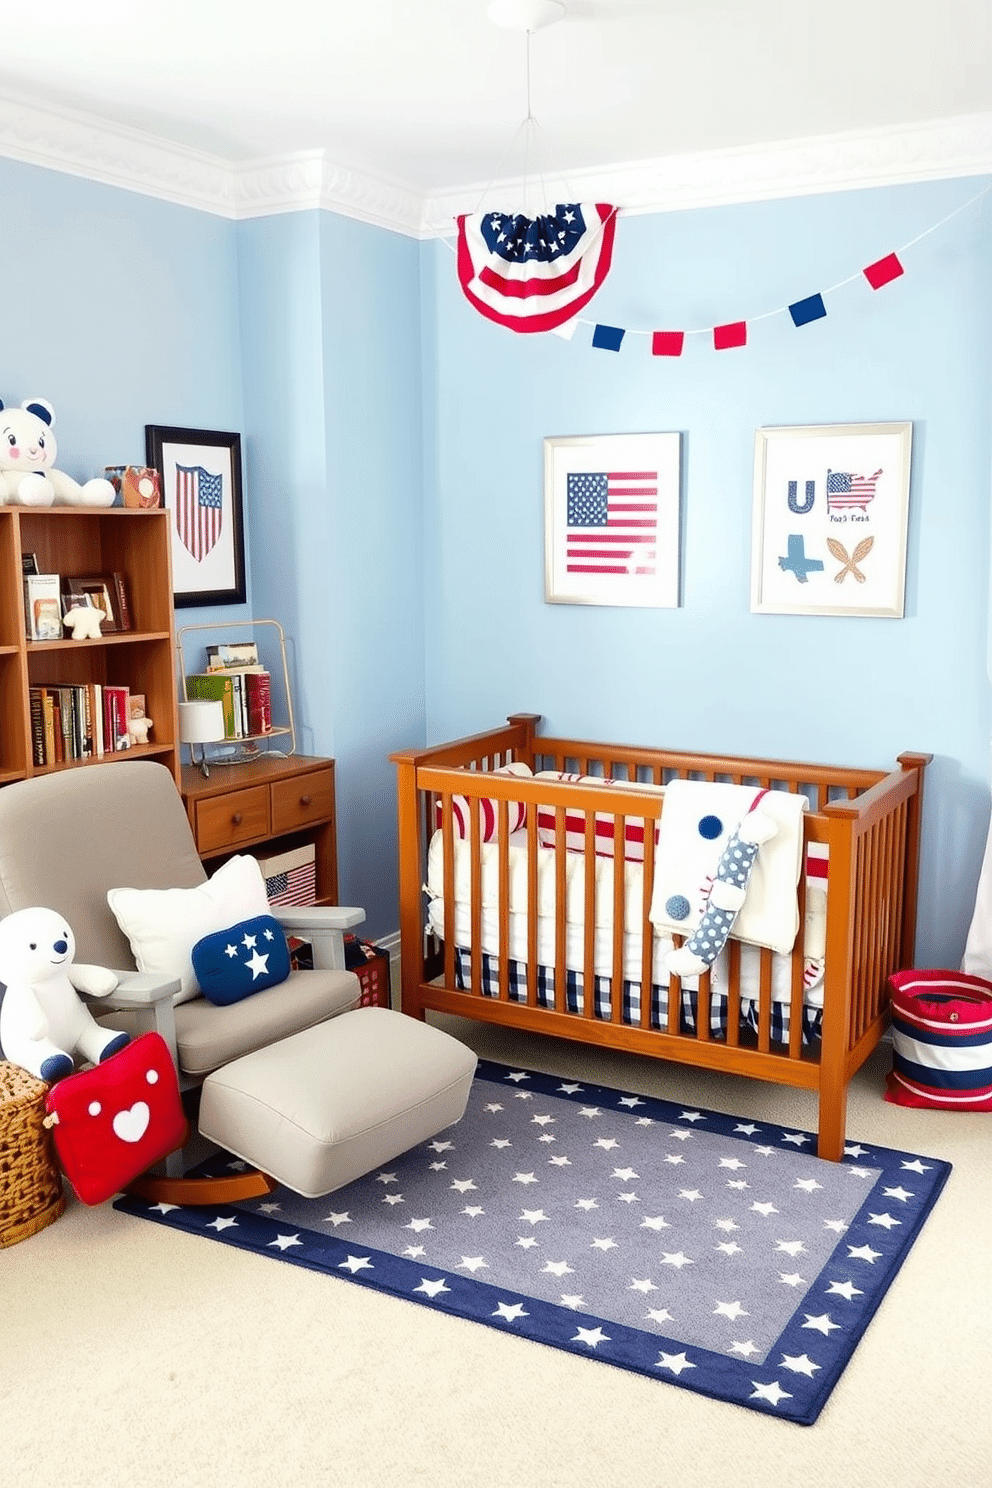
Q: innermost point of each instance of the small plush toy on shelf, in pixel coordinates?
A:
(43, 1021)
(27, 459)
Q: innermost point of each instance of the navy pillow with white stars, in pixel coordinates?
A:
(250, 956)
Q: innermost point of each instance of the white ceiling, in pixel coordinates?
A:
(427, 94)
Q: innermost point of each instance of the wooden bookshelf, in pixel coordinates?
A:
(75, 541)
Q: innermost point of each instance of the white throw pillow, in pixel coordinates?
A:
(163, 925)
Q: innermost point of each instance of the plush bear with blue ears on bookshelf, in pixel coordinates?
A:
(27, 460)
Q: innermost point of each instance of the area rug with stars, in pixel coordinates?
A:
(713, 1253)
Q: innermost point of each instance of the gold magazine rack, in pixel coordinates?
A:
(272, 655)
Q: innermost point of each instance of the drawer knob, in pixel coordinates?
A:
(305, 800)
(237, 819)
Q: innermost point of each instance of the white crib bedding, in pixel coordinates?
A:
(518, 951)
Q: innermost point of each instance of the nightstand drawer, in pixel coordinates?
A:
(240, 816)
(307, 798)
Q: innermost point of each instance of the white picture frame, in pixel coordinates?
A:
(612, 519)
(830, 519)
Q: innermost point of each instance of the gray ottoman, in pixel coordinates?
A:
(329, 1104)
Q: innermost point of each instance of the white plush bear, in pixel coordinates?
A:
(84, 622)
(42, 1020)
(27, 458)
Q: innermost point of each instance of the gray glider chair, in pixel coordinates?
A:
(66, 839)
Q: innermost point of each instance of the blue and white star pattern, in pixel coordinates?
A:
(714, 1253)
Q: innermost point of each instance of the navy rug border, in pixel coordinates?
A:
(795, 1392)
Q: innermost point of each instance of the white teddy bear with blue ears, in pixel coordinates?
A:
(43, 1021)
(726, 896)
(27, 459)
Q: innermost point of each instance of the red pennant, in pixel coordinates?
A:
(667, 343)
(733, 334)
(884, 271)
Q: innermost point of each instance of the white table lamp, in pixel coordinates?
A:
(201, 722)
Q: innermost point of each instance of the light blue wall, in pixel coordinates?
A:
(331, 332)
(393, 475)
(710, 675)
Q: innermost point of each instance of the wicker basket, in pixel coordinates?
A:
(31, 1195)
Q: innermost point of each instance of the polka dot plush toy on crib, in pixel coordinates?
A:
(727, 894)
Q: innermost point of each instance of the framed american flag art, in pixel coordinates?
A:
(200, 472)
(612, 523)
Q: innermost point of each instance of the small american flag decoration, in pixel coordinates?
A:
(535, 273)
(612, 520)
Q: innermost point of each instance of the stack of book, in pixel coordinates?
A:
(236, 678)
(74, 721)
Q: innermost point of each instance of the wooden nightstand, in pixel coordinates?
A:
(276, 803)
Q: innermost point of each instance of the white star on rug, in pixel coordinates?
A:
(822, 1324)
(729, 1247)
(691, 1194)
(500, 1142)
(765, 1209)
(885, 1220)
(284, 1242)
(419, 1224)
(745, 1349)
(792, 1279)
(675, 1362)
(462, 1185)
(863, 1253)
(524, 1178)
(799, 1364)
(543, 1120)
(808, 1185)
(591, 1336)
(626, 1174)
(677, 1258)
(655, 1223)
(162, 1208)
(902, 1194)
(219, 1224)
(526, 1242)
(796, 1138)
(732, 1162)
(630, 1100)
(586, 1204)
(560, 1162)
(533, 1216)
(510, 1311)
(731, 1310)
(773, 1393)
(791, 1247)
(659, 1315)
(692, 1116)
(844, 1289)
(746, 1129)
(473, 1263)
(573, 1301)
(604, 1244)
(518, 1075)
(441, 1146)
(916, 1166)
(356, 1263)
(607, 1143)
(674, 1159)
(432, 1288)
(642, 1286)
(558, 1268)
(569, 1089)
(415, 1252)
(590, 1111)
(473, 1210)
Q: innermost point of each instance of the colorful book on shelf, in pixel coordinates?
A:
(258, 686)
(115, 718)
(43, 607)
(215, 686)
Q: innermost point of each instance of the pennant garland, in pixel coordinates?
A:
(671, 343)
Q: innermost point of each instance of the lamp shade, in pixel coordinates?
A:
(201, 721)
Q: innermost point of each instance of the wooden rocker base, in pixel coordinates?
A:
(187, 1192)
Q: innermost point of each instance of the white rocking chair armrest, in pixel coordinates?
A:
(139, 989)
(323, 925)
(300, 917)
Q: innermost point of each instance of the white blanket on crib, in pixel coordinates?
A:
(687, 857)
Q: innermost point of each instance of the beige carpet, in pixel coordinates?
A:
(134, 1354)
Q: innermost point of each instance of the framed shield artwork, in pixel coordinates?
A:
(200, 470)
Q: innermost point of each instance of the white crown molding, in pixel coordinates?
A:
(808, 167)
(64, 140)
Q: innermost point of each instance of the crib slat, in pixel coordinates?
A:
(733, 993)
(589, 917)
(647, 929)
(448, 873)
(475, 890)
(532, 902)
(502, 837)
(619, 917)
(764, 1000)
(561, 926)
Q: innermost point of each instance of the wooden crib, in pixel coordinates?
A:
(866, 822)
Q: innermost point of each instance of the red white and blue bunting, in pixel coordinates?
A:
(734, 333)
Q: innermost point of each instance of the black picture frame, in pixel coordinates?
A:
(200, 471)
